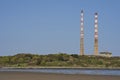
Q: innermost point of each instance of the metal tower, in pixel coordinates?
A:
(82, 33)
(96, 35)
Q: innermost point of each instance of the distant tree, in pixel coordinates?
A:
(75, 55)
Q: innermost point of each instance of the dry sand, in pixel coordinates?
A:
(49, 76)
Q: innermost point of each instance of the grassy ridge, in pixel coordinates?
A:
(58, 60)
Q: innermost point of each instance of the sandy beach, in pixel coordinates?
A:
(49, 76)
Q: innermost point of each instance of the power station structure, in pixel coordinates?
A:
(96, 35)
(82, 34)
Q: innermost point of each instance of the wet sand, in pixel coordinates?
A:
(50, 76)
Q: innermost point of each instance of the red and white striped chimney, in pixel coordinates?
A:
(82, 33)
(96, 35)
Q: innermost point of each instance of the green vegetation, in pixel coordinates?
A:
(58, 60)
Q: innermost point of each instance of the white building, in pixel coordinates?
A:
(106, 54)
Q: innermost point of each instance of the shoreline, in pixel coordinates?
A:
(88, 68)
(56, 70)
(52, 76)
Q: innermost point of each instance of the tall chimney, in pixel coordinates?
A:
(82, 33)
(96, 35)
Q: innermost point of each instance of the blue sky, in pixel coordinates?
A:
(53, 26)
